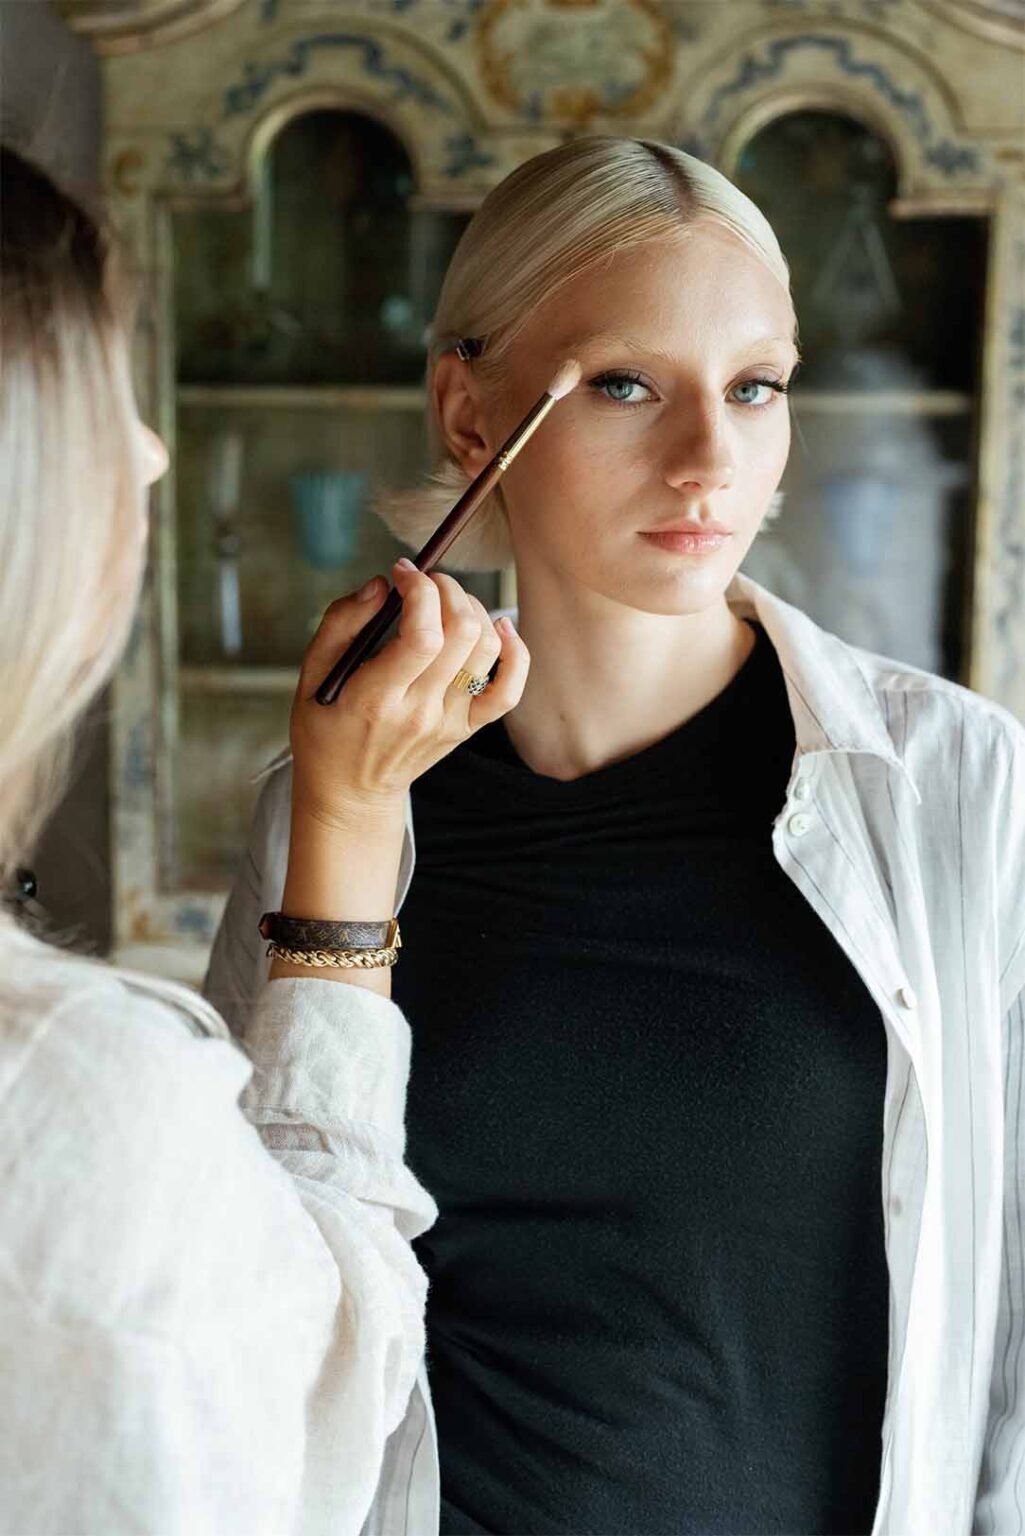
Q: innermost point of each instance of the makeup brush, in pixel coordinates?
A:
(566, 379)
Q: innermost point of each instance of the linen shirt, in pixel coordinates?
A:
(903, 827)
(196, 1338)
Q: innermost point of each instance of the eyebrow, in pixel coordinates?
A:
(631, 342)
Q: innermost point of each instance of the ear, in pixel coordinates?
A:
(459, 414)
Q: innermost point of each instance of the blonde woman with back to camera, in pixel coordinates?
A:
(208, 1327)
(714, 949)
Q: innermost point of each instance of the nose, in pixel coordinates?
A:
(153, 454)
(699, 454)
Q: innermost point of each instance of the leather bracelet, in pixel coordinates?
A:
(343, 959)
(318, 933)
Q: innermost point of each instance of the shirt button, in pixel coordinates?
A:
(802, 789)
(799, 824)
(906, 997)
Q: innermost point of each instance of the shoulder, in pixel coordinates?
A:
(271, 813)
(274, 784)
(269, 831)
(42, 984)
(81, 1037)
(965, 756)
(128, 1156)
(874, 697)
(934, 717)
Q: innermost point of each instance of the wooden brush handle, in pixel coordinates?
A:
(452, 525)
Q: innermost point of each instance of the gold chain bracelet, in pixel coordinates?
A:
(345, 959)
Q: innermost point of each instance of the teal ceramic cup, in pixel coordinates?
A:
(326, 509)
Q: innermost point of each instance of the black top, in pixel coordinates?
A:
(647, 1094)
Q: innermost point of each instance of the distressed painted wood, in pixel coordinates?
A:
(473, 87)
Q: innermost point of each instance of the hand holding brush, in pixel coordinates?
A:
(564, 381)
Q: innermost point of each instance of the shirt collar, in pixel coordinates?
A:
(834, 706)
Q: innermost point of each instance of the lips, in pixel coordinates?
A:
(689, 540)
(699, 530)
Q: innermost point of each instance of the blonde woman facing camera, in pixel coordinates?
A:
(196, 1338)
(714, 949)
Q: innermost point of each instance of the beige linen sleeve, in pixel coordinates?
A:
(196, 1337)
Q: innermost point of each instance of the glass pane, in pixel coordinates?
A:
(301, 351)
(874, 541)
(275, 520)
(327, 278)
(861, 278)
(274, 523)
(223, 742)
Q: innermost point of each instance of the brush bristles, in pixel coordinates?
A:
(567, 378)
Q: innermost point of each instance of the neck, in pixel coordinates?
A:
(606, 680)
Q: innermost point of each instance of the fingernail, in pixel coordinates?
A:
(368, 589)
(405, 565)
(506, 625)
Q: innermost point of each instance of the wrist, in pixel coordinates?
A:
(346, 816)
(343, 869)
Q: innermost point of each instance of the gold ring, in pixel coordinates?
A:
(469, 683)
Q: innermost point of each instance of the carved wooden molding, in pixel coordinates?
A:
(122, 26)
(1000, 21)
(894, 89)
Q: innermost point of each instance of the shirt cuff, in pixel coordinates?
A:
(328, 1054)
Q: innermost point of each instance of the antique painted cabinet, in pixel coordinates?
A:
(292, 176)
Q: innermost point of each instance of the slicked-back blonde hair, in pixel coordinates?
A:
(549, 221)
(70, 534)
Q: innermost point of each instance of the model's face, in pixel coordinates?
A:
(675, 421)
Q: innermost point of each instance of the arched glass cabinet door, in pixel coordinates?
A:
(875, 537)
(300, 323)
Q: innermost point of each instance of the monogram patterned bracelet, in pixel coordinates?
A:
(318, 933)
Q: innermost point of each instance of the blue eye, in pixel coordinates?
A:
(620, 387)
(617, 387)
(775, 385)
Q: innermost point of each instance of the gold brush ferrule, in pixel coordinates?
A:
(524, 432)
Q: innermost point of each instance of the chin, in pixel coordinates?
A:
(682, 599)
(684, 585)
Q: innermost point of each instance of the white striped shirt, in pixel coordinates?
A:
(904, 828)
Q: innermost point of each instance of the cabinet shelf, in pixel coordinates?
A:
(305, 397)
(889, 402)
(412, 397)
(217, 679)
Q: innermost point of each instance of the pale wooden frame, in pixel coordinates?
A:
(143, 186)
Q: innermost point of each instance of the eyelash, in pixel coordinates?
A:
(625, 377)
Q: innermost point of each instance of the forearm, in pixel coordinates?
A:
(345, 869)
(354, 762)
